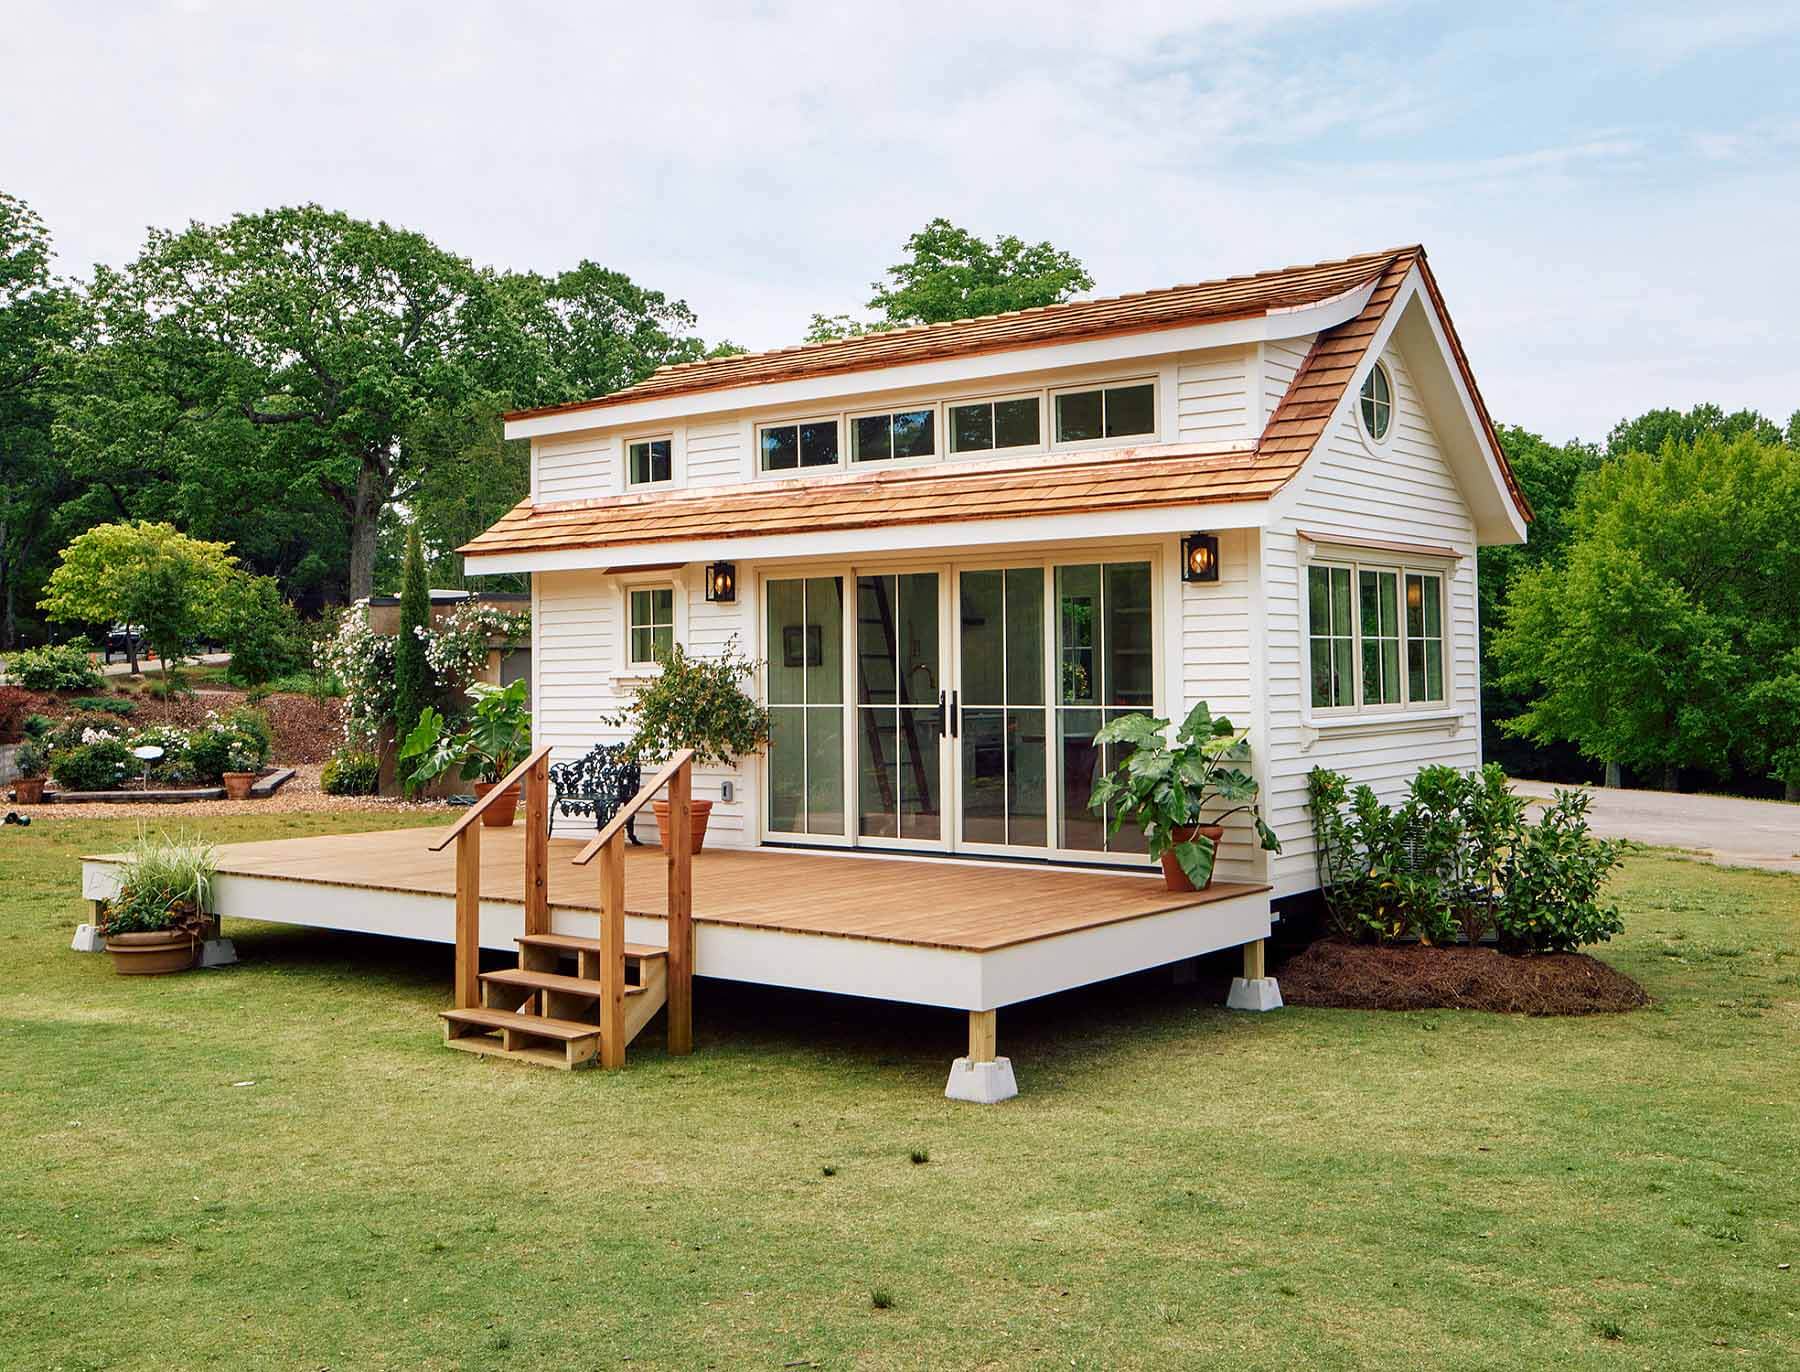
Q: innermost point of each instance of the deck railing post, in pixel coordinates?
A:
(537, 847)
(680, 845)
(612, 952)
(468, 918)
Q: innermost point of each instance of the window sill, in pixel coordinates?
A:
(637, 674)
(1312, 729)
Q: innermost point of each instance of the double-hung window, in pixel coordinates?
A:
(1375, 636)
(652, 631)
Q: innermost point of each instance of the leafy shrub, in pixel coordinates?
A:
(213, 749)
(350, 772)
(254, 724)
(263, 633)
(38, 726)
(54, 667)
(98, 766)
(1457, 859)
(84, 727)
(1554, 874)
(174, 764)
(111, 705)
(698, 703)
(163, 884)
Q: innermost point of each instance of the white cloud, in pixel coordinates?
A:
(767, 162)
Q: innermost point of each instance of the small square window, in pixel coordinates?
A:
(781, 448)
(1016, 423)
(649, 461)
(1130, 410)
(1079, 416)
(652, 624)
(819, 444)
(872, 438)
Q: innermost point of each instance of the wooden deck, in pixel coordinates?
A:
(932, 931)
(931, 902)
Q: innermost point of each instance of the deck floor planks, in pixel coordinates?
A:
(931, 902)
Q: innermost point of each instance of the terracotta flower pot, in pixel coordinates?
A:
(1173, 877)
(702, 812)
(29, 790)
(167, 950)
(237, 785)
(503, 811)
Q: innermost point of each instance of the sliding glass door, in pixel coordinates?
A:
(955, 708)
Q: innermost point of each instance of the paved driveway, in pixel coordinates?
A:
(1723, 829)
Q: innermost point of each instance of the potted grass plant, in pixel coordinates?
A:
(33, 762)
(493, 739)
(159, 918)
(1166, 790)
(699, 703)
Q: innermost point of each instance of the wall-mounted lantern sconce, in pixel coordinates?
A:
(1200, 557)
(721, 582)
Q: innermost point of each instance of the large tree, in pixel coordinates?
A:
(1668, 634)
(950, 273)
(34, 328)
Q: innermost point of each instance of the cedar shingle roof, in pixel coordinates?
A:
(1205, 302)
(1169, 474)
(1163, 475)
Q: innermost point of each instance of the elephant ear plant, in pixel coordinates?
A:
(1166, 790)
(494, 737)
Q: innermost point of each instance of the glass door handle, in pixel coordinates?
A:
(943, 714)
(955, 713)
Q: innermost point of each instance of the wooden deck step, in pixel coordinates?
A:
(526, 979)
(571, 943)
(562, 1030)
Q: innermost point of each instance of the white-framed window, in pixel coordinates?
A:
(1424, 637)
(650, 613)
(1376, 404)
(1375, 637)
(1088, 415)
(1003, 424)
(894, 435)
(796, 445)
(650, 461)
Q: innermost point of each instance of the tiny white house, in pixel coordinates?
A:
(956, 551)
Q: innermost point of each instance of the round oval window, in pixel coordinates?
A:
(1377, 403)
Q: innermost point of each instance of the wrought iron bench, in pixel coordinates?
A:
(597, 783)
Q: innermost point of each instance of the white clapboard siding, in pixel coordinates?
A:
(1212, 398)
(1214, 648)
(1281, 360)
(1401, 489)
(715, 452)
(578, 661)
(573, 467)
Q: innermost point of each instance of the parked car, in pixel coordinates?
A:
(124, 640)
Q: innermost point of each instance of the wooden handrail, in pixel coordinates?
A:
(505, 784)
(632, 806)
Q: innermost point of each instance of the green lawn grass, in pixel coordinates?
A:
(278, 1165)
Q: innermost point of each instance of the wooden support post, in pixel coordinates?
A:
(984, 1039)
(468, 918)
(1254, 967)
(537, 847)
(680, 1004)
(612, 952)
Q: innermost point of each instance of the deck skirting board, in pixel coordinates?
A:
(911, 973)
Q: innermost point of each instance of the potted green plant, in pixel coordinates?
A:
(699, 703)
(494, 738)
(33, 762)
(157, 921)
(1166, 789)
(241, 767)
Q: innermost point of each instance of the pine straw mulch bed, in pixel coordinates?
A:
(303, 729)
(1333, 974)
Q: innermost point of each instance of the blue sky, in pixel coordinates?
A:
(1610, 194)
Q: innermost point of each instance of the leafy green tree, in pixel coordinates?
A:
(1663, 637)
(147, 574)
(950, 273)
(260, 629)
(1651, 431)
(412, 674)
(1549, 474)
(34, 328)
